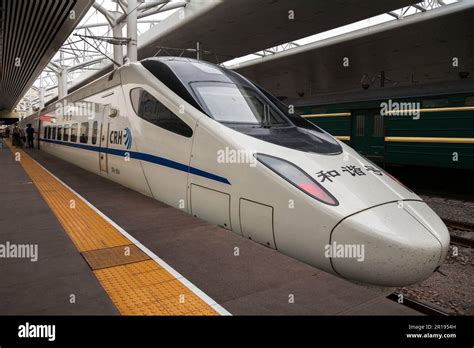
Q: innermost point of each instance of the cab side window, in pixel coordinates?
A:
(147, 107)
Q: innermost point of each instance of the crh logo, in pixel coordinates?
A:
(128, 138)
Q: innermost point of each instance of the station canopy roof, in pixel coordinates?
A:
(430, 52)
(31, 33)
(229, 28)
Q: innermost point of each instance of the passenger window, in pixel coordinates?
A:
(54, 133)
(49, 132)
(66, 133)
(147, 107)
(469, 100)
(45, 134)
(95, 126)
(378, 130)
(434, 103)
(74, 133)
(84, 138)
(60, 133)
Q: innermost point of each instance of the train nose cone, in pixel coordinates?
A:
(394, 244)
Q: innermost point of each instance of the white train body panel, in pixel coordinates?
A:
(403, 240)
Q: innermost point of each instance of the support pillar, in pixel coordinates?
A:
(62, 83)
(132, 30)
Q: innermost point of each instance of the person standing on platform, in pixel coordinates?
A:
(30, 135)
(16, 136)
(7, 133)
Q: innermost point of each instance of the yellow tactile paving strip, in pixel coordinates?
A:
(87, 229)
(147, 281)
(138, 288)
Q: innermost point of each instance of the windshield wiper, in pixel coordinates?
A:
(266, 122)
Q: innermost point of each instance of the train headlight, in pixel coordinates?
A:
(297, 177)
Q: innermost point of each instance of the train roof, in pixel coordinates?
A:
(179, 74)
(168, 70)
(188, 70)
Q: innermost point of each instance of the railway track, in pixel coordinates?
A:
(458, 225)
(461, 226)
(419, 306)
(461, 241)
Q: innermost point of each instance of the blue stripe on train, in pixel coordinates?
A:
(147, 158)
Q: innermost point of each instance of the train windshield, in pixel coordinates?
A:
(233, 103)
(231, 99)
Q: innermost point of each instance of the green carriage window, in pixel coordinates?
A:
(434, 103)
(378, 126)
(360, 125)
(469, 100)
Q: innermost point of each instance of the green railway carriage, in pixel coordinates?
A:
(428, 131)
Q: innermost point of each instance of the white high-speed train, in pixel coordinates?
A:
(206, 140)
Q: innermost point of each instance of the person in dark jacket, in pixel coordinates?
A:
(30, 135)
(16, 136)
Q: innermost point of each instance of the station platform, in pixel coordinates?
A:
(103, 249)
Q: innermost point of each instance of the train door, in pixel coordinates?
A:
(165, 137)
(104, 143)
(368, 133)
(38, 134)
